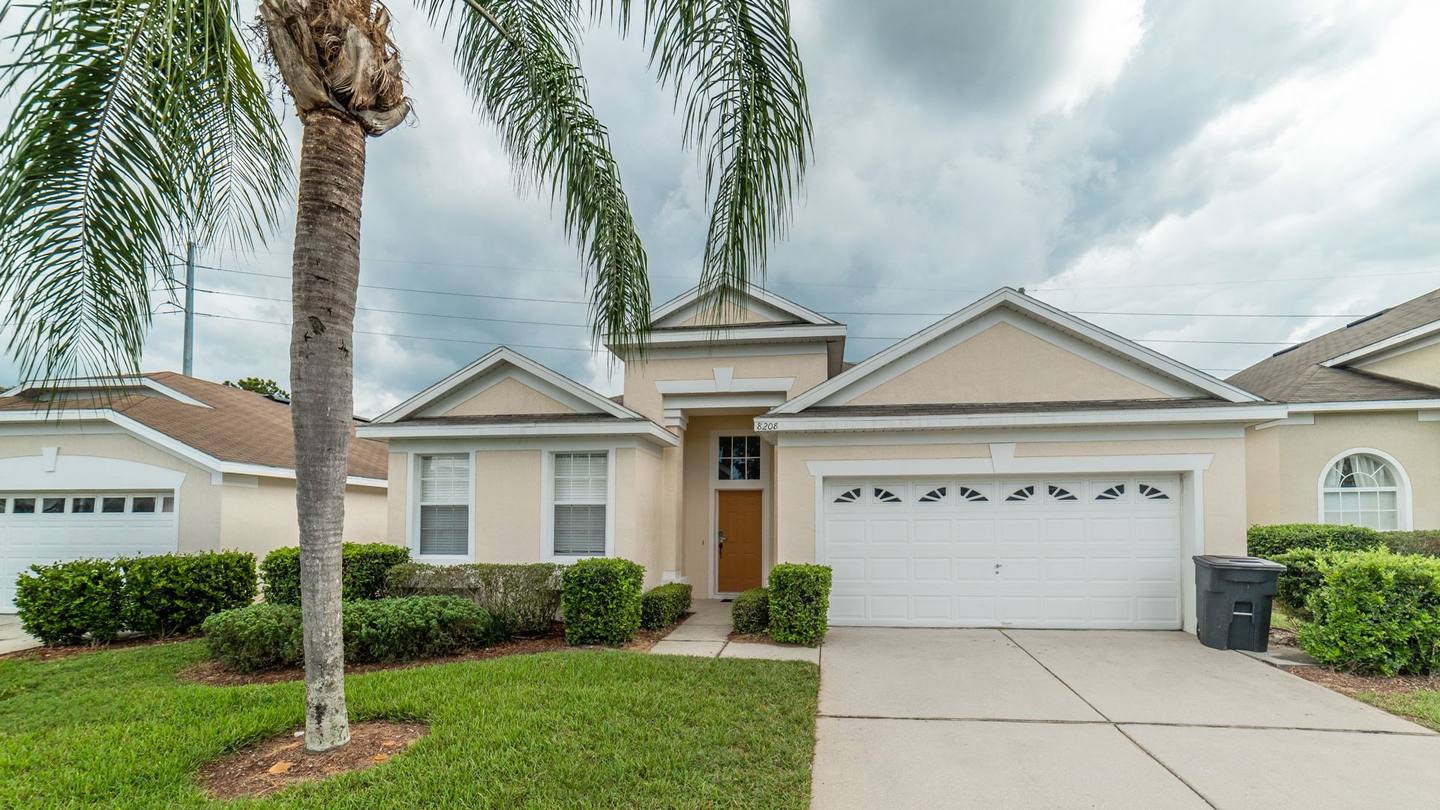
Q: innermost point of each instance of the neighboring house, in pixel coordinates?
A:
(1361, 443)
(154, 464)
(1010, 465)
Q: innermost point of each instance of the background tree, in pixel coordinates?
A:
(140, 124)
(263, 386)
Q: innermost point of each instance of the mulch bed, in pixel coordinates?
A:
(65, 651)
(279, 762)
(1350, 684)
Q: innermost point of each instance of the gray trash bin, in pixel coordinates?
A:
(1233, 596)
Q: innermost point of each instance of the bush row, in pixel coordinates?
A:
(601, 599)
(523, 598)
(1375, 611)
(664, 605)
(96, 600)
(268, 636)
(363, 567)
(793, 609)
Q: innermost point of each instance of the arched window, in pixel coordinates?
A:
(1363, 489)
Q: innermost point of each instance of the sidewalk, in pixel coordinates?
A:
(706, 634)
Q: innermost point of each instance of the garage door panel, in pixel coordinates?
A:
(1089, 553)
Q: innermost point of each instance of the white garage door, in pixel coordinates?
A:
(1002, 552)
(47, 527)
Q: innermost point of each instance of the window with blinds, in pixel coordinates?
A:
(579, 499)
(445, 504)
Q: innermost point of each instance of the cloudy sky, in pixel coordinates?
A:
(1168, 157)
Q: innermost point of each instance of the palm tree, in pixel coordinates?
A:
(140, 124)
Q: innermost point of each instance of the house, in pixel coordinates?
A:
(154, 464)
(1009, 465)
(1361, 443)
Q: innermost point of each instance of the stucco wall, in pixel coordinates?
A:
(1421, 366)
(983, 368)
(508, 396)
(199, 499)
(1224, 481)
(507, 505)
(258, 514)
(638, 534)
(1285, 462)
(808, 370)
(397, 497)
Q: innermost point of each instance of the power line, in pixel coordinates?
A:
(397, 335)
(414, 289)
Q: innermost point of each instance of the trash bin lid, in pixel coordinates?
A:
(1236, 563)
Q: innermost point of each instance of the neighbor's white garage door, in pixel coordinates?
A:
(47, 527)
(1101, 552)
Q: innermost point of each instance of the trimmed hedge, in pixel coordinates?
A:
(750, 612)
(799, 603)
(362, 571)
(71, 602)
(1376, 611)
(664, 605)
(601, 600)
(269, 636)
(1300, 578)
(173, 593)
(524, 598)
(1423, 541)
(1267, 541)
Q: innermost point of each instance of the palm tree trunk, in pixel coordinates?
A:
(325, 275)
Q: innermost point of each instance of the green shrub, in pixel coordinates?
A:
(524, 598)
(1267, 541)
(255, 637)
(1425, 541)
(1376, 611)
(173, 593)
(600, 598)
(412, 627)
(750, 613)
(799, 603)
(268, 636)
(664, 605)
(71, 602)
(1299, 579)
(362, 571)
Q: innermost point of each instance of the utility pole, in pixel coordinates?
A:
(188, 366)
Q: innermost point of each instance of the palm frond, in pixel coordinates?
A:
(737, 75)
(137, 125)
(517, 58)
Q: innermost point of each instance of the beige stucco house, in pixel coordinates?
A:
(1010, 465)
(155, 464)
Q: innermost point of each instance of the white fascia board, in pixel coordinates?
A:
(504, 354)
(646, 429)
(216, 467)
(1002, 464)
(1257, 413)
(1379, 346)
(781, 303)
(725, 335)
(1042, 312)
(128, 380)
(1366, 405)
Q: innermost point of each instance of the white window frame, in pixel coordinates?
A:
(413, 541)
(1404, 519)
(547, 504)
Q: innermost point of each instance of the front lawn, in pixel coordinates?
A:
(571, 729)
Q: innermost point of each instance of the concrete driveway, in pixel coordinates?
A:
(12, 638)
(1062, 719)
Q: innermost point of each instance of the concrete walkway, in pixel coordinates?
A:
(1059, 719)
(707, 632)
(12, 638)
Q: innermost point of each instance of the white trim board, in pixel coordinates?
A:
(1038, 310)
(1256, 413)
(690, 299)
(504, 354)
(1379, 346)
(124, 381)
(643, 429)
(1366, 405)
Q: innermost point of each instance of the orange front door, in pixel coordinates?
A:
(738, 518)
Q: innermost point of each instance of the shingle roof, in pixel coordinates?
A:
(1298, 374)
(515, 418)
(240, 426)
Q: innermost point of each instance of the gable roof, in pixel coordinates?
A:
(1313, 372)
(1006, 297)
(788, 312)
(219, 422)
(602, 405)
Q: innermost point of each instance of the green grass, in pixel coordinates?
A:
(1422, 706)
(570, 729)
(1281, 620)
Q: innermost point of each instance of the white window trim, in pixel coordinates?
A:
(763, 485)
(547, 505)
(412, 501)
(1404, 521)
